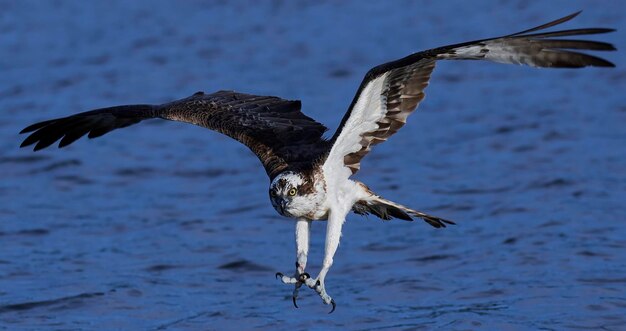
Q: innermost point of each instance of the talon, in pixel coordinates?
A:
(279, 275)
(318, 283)
(304, 276)
(296, 305)
(332, 302)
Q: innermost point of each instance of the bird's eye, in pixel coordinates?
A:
(293, 192)
(272, 193)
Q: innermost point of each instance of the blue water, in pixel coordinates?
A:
(166, 226)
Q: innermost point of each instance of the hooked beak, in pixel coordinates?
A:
(282, 203)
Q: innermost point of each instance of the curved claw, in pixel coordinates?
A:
(332, 302)
(279, 275)
(304, 276)
(294, 302)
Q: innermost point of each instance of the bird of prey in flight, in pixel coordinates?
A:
(309, 174)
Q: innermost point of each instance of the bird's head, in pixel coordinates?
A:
(286, 194)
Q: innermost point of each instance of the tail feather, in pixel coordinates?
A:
(435, 221)
(387, 210)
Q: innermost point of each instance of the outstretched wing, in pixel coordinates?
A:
(274, 129)
(390, 92)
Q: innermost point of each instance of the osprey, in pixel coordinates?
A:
(309, 174)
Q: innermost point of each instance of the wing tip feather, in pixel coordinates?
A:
(36, 126)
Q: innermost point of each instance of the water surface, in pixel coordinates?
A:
(166, 226)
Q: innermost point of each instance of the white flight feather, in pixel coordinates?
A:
(368, 110)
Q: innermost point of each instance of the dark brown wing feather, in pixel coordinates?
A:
(96, 123)
(274, 129)
(407, 78)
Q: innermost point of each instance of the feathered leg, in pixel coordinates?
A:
(333, 233)
(303, 230)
